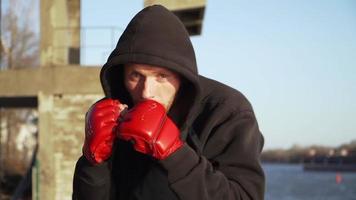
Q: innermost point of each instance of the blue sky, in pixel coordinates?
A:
(294, 60)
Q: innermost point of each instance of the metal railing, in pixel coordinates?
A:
(92, 44)
(95, 42)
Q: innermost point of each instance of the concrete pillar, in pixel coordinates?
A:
(60, 32)
(61, 136)
(45, 159)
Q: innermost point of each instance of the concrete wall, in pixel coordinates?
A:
(177, 4)
(61, 137)
(51, 80)
(190, 12)
(64, 95)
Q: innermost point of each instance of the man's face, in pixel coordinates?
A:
(151, 82)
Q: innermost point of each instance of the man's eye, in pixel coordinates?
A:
(162, 76)
(134, 75)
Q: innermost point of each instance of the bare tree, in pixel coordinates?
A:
(19, 37)
(20, 49)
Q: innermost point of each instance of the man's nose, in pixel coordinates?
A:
(148, 89)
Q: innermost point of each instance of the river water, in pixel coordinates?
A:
(290, 182)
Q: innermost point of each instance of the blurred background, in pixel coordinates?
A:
(294, 60)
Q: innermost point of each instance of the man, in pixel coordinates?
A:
(164, 131)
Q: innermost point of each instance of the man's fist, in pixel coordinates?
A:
(149, 128)
(100, 125)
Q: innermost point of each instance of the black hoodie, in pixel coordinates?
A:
(220, 157)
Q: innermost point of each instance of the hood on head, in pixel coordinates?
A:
(155, 36)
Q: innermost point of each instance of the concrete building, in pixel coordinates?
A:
(55, 89)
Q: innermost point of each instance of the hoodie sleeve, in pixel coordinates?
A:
(232, 171)
(91, 181)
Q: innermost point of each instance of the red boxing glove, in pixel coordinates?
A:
(100, 125)
(149, 127)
